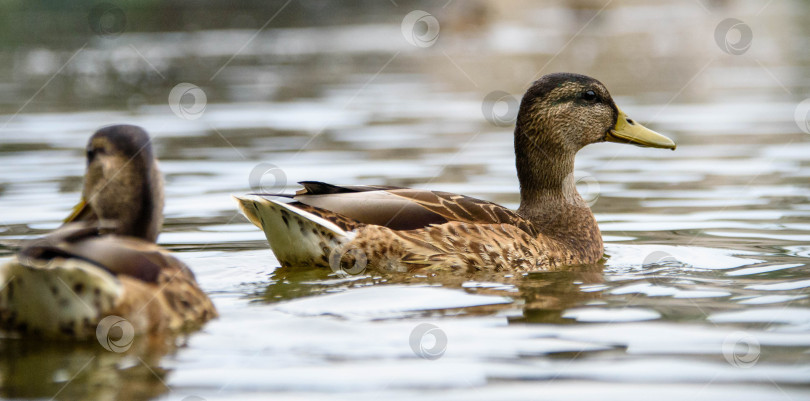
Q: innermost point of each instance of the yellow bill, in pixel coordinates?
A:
(77, 212)
(628, 131)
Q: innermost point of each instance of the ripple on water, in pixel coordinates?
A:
(623, 257)
(387, 301)
(607, 315)
(785, 315)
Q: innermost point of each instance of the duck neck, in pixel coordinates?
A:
(144, 217)
(149, 221)
(547, 185)
(549, 197)
(132, 198)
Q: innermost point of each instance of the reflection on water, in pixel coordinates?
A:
(705, 281)
(37, 369)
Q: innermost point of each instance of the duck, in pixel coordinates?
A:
(355, 228)
(102, 267)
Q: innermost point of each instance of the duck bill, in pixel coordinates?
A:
(79, 212)
(629, 131)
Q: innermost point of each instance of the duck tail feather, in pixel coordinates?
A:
(296, 236)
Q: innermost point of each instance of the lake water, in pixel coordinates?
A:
(703, 292)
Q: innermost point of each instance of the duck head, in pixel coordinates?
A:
(564, 112)
(560, 114)
(123, 185)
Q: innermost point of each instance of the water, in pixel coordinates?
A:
(703, 292)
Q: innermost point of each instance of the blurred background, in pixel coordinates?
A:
(301, 76)
(704, 285)
(124, 55)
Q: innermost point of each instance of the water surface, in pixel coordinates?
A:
(703, 292)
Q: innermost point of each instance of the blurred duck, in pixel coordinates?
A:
(104, 261)
(400, 229)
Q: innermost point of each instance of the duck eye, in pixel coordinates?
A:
(93, 152)
(589, 96)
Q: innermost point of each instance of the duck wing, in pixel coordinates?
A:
(118, 255)
(400, 208)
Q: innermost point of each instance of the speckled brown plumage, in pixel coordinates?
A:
(104, 262)
(401, 229)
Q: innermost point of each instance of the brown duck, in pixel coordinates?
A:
(104, 261)
(352, 228)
